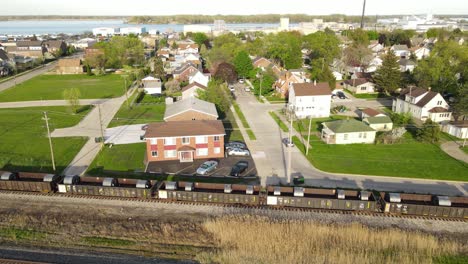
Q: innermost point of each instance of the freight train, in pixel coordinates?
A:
(238, 194)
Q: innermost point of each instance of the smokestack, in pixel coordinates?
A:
(362, 17)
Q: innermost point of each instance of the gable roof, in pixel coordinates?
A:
(358, 81)
(378, 120)
(400, 47)
(69, 63)
(194, 84)
(347, 126)
(371, 112)
(28, 43)
(413, 91)
(3, 55)
(367, 75)
(183, 68)
(55, 43)
(426, 99)
(406, 62)
(438, 109)
(185, 128)
(188, 104)
(311, 89)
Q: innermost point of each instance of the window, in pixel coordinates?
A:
(360, 135)
(365, 135)
(185, 140)
(345, 136)
(154, 153)
(170, 153)
(202, 152)
(363, 88)
(201, 140)
(216, 138)
(169, 141)
(217, 150)
(153, 141)
(439, 102)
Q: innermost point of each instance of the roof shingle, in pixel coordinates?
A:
(347, 126)
(311, 89)
(185, 128)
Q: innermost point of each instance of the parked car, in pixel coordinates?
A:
(207, 167)
(241, 81)
(231, 88)
(341, 95)
(247, 89)
(235, 144)
(238, 152)
(287, 142)
(239, 168)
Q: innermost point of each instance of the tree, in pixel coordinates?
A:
(359, 37)
(322, 45)
(226, 72)
(199, 38)
(429, 132)
(218, 94)
(267, 79)
(285, 47)
(163, 43)
(243, 64)
(358, 56)
(72, 96)
(388, 76)
(460, 107)
(157, 67)
(172, 87)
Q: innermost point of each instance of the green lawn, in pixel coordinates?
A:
(368, 96)
(302, 125)
(51, 87)
(279, 122)
(251, 134)
(411, 159)
(465, 149)
(232, 128)
(241, 116)
(120, 158)
(274, 99)
(139, 113)
(24, 145)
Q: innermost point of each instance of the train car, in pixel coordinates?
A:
(322, 198)
(29, 181)
(425, 205)
(99, 186)
(210, 193)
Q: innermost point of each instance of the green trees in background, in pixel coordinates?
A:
(243, 63)
(388, 76)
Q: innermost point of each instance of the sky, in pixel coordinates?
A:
(225, 7)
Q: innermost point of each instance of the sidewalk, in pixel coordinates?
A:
(452, 148)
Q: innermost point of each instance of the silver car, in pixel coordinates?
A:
(238, 152)
(207, 167)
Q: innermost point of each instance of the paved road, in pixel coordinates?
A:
(271, 158)
(90, 127)
(49, 103)
(36, 255)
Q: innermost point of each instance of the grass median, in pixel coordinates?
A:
(279, 122)
(244, 122)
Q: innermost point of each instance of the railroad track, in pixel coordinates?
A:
(254, 207)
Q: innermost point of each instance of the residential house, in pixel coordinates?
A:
(192, 89)
(370, 112)
(401, 51)
(310, 99)
(183, 72)
(379, 123)
(192, 58)
(264, 64)
(56, 47)
(34, 49)
(348, 131)
(457, 129)
(22, 62)
(406, 65)
(376, 47)
(151, 85)
(360, 86)
(417, 42)
(285, 81)
(69, 66)
(190, 109)
(200, 78)
(338, 76)
(374, 64)
(422, 104)
(83, 43)
(422, 53)
(357, 75)
(187, 48)
(184, 141)
(5, 63)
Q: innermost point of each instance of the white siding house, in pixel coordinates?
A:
(199, 78)
(457, 129)
(360, 86)
(191, 90)
(347, 132)
(152, 85)
(310, 99)
(422, 104)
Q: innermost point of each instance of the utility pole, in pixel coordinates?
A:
(100, 125)
(50, 140)
(289, 172)
(362, 17)
(125, 91)
(308, 137)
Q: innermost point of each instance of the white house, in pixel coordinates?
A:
(457, 129)
(310, 99)
(105, 31)
(360, 86)
(401, 51)
(199, 78)
(347, 132)
(370, 112)
(406, 65)
(191, 90)
(379, 123)
(187, 48)
(83, 43)
(152, 85)
(338, 76)
(422, 104)
(376, 47)
(374, 64)
(422, 53)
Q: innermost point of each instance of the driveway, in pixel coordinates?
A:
(272, 157)
(124, 134)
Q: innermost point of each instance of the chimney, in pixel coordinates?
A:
(315, 82)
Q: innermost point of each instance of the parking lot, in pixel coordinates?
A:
(190, 168)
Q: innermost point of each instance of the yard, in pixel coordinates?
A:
(24, 145)
(119, 158)
(51, 87)
(140, 113)
(411, 159)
